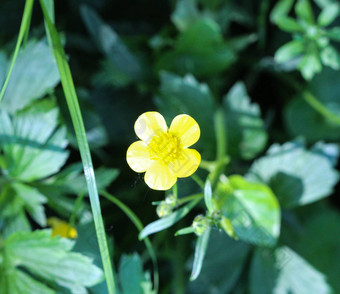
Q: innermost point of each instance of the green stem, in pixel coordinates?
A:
(25, 23)
(73, 105)
(198, 180)
(189, 198)
(76, 208)
(138, 224)
(175, 190)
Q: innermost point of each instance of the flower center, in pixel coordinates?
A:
(164, 147)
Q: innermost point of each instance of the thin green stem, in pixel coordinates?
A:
(138, 224)
(198, 180)
(25, 23)
(76, 208)
(190, 198)
(175, 190)
(73, 105)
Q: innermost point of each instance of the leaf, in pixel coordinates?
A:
(297, 176)
(289, 51)
(304, 11)
(110, 44)
(252, 209)
(246, 134)
(309, 66)
(333, 33)
(131, 276)
(33, 201)
(330, 57)
(187, 95)
(224, 262)
(283, 271)
(208, 196)
(209, 56)
(50, 258)
(34, 74)
(168, 221)
(329, 150)
(185, 14)
(3, 67)
(33, 145)
(303, 120)
(200, 250)
(328, 14)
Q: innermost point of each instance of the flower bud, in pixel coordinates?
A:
(163, 209)
(200, 224)
(171, 200)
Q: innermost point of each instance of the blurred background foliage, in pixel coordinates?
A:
(270, 68)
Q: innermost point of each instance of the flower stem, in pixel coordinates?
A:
(198, 180)
(189, 198)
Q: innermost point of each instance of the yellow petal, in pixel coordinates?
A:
(159, 176)
(186, 129)
(149, 124)
(186, 164)
(138, 157)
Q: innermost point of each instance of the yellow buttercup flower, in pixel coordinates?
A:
(61, 228)
(163, 153)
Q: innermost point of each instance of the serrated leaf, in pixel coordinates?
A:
(297, 176)
(200, 250)
(112, 46)
(50, 259)
(33, 145)
(168, 221)
(223, 265)
(34, 74)
(246, 134)
(283, 271)
(252, 209)
(187, 95)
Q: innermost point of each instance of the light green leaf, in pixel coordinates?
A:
(208, 196)
(33, 201)
(246, 134)
(185, 14)
(330, 150)
(289, 51)
(187, 95)
(168, 221)
(283, 271)
(33, 145)
(333, 33)
(297, 176)
(34, 74)
(309, 66)
(303, 10)
(330, 57)
(224, 262)
(50, 259)
(252, 209)
(328, 14)
(281, 9)
(200, 250)
(110, 44)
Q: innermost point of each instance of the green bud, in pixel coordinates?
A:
(171, 200)
(163, 209)
(200, 224)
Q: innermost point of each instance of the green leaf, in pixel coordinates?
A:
(246, 134)
(328, 14)
(3, 67)
(283, 271)
(200, 250)
(32, 200)
(224, 262)
(185, 14)
(252, 209)
(209, 56)
(303, 10)
(131, 276)
(333, 33)
(187, 95)
(289, 51)
(330, 57)
(309, 66)
(208, 196)
(297, 176)
(289, 25)
(33, 145)
(168, 221)
(50, 258)
(331, 151)
(185, 231)
(110, 44)
(281, 9)
(34, 74)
